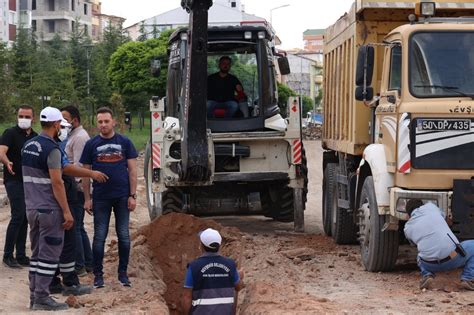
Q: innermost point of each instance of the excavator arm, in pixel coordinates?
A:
(194, 145)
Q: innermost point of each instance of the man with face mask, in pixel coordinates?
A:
(47, 208)
(11, 143)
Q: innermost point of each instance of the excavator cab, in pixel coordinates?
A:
(250, 49)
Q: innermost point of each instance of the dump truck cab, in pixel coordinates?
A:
(398, 122)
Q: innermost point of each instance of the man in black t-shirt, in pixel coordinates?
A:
(11, 144)
(223, 90)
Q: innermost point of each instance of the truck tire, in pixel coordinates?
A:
(343, 227)
(153, 199)
(277, 202)
(379, 250)
(172, 200)
(329, 180)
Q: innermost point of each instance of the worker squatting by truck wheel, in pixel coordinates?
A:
(329, 180)
(277, 200)
(379, 249)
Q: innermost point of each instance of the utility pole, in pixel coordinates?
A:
(88, 72)
(272, 9)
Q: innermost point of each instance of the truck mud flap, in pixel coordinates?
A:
(463, 209)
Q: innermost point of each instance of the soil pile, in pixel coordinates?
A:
(173, 242)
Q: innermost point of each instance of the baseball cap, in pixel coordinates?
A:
(210, 236)
(51, 114)
(64, 123)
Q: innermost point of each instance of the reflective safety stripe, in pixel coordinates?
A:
(70, 269)
(42, 264)
(36, 180)
(216, 301)
(46, 272)
(71, 264)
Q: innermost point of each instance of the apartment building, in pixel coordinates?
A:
(8, 20)
(313, 40)
(50, 17)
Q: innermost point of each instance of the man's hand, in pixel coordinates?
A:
(9, 166)
(68, 220)
(88, 206)
(99, 177)
(132, 203)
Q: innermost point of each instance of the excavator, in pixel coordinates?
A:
(251, 163)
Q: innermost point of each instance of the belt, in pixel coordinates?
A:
(440, 261)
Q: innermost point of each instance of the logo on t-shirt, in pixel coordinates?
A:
(109, 153)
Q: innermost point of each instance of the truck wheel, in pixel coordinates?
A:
(172, 200)
(379, 250)
(343, 227)
(153, 199)
(277, 203)
(329, 180)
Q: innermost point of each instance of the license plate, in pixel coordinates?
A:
(444, 124)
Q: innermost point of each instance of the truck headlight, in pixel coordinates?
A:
(402, 202)
(248, 35)
(425, 8)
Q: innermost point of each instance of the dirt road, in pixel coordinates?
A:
(285, 273)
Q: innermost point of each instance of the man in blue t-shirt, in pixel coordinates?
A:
(114, 155)
(212, 281)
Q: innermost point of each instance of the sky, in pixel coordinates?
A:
(289, 22)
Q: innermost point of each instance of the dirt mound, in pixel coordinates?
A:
(173, 242)
(264, 297)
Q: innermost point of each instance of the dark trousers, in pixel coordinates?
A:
(102, 212)
(67, 260)
(17, 228)
(83, 245)
(46, 236)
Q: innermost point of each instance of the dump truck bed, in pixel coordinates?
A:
(347, 121)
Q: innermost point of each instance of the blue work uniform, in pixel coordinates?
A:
(213, 279)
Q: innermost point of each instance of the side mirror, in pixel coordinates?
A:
(362, 94)
(284, 66)
(128, 118)
(155, 68)
(365, 66)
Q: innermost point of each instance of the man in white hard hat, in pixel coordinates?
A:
(212, 281)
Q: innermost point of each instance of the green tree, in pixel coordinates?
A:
(6, 108)
(308, 104)
(129, 70)
(284, 92)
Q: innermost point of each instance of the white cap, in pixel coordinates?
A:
(64, 123)
(210, 236)
(50, 114)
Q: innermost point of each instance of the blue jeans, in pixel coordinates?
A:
(458, 261)
(102, 212)
(18, 226)
(230, 107)
(83, 245)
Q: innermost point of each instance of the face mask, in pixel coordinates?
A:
(63, 133)
(24, 123)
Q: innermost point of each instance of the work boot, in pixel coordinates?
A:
(11, 262)
(468, 284)
(48, 304)
(123, 278)
(81, 272)
(426, 282)
(55, 287)
(79, 289)
(23, 261)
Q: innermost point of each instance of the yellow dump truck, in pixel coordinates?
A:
(399, 121)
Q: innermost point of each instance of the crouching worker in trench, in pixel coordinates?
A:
(438, 249)
(212, 281)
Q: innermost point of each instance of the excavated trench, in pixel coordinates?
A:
(173, 242)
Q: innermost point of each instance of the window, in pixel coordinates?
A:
(86, 29)
(233, 4)
(85, 8)
(50, 26)
(12, 18)
(33, 5)
(73, 25)
(395, 82)
(73, 5)
(33, 25)
(51, 5)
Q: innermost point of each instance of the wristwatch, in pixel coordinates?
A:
(134, 196)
